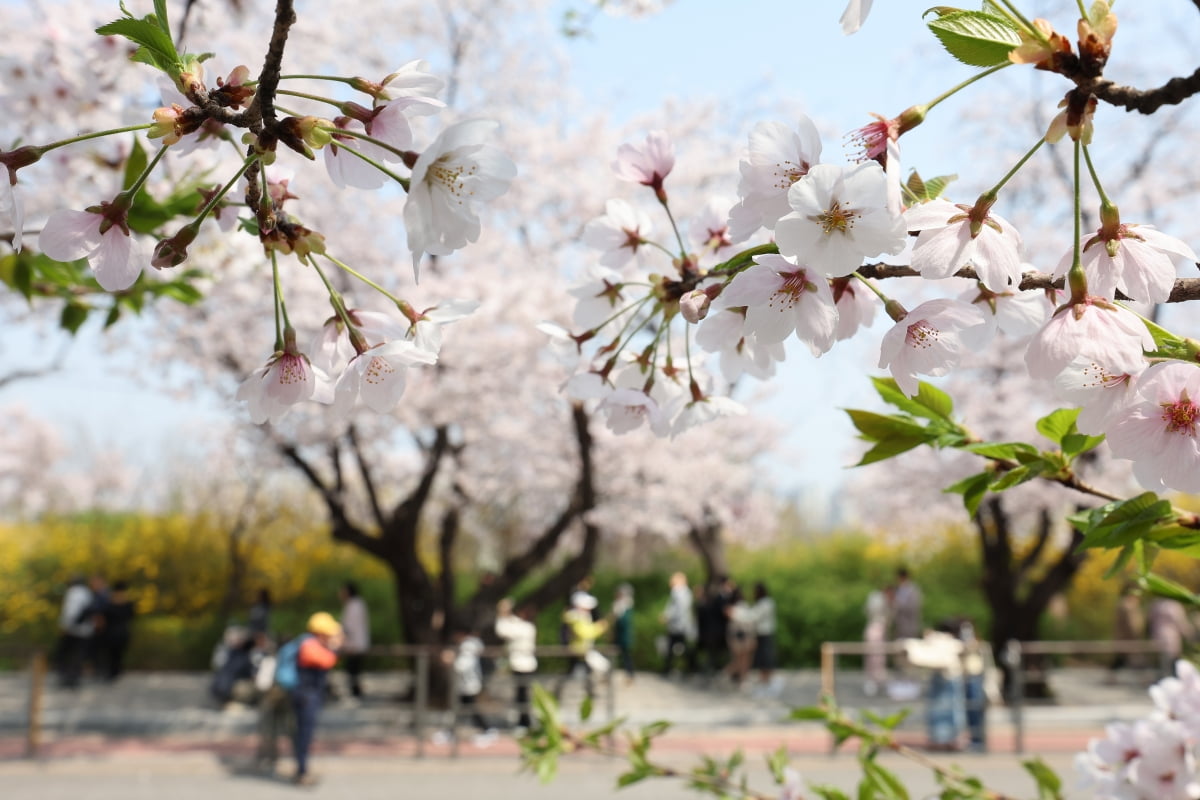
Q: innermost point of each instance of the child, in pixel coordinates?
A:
(317, 654)
(468, 673)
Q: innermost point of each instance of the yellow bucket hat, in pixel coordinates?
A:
(323, 624)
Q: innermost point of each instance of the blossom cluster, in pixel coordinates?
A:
(740, 303)
(1153, 758)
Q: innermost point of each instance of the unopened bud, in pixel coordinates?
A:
(694, 305)
(173, 251)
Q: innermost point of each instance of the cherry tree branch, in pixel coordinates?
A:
(364, 470)
(1186, 289)
(1145, 101)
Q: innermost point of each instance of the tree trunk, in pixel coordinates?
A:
(705, 537)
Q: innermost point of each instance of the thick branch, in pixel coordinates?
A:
(1145, 101)
(342, 528)
(410, 508)
(364, 469)
(1045, 527)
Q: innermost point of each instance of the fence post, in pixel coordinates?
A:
(421, 696)
(37, 681)
(1016, 692)
(610, 703)
(828, 665)
(452, 703)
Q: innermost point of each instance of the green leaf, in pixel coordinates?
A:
(809, 713)
(135, 165)
(1057, 424)
(892, 394)
(973, 489)
(632, 777)
(1015, 477)
(1120, 562)
(975, 38)
(888, 786)
(1076, 444)
(1120, 523)
(881, 427)
(585, 708)
(829, 793)
(1164, 587)
(918, 190)
(73, 316)
(1049, 785)
(160, 12)
(777, 762)
(890, 448)
(182, 292)
(1007, 451)
(154, 43)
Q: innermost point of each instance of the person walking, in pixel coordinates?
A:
(765, 624)
(741, 637)
(1129, 625)
(468, 679)
(879, 613)
(519, 635)
(75, 628)
(356, 630)
(315, 655)
(116, 630)
(680, 622)
(259, 618)
(622, 611)
(1169, 628)
(906, 607)
(582, 634)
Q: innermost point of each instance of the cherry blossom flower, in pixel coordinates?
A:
(950, 240)
(930, 340)
(411, 80)
(1160, 429)
(12, 207)
(286, 379)
(703, 410)
(458, 170)
(426, 332)
(389, 123)
(708, 231)
(1139, 264)
(649, 164)
(782, 298)
(1100, 392)
(740, 352)
(377, 376)
(626, 410)
(599, 296)
(840, 216)
(1165, 767)
(856, 306)
(101, 235)
(619, 233)
(855, 14)
(346, 169)
(1096, 329)
(778, 158)
(1014, 312)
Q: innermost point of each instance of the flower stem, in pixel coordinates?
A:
(335, 297)
(678, 238)
(280, 309)
(128, 195)
(317, 98)
(351, 271)
(316, 78)
(216, 198)
(1082, 9)
(995, 190)
(1087, 156)
(1016, 16)
(893, 308)
(96, 135)
(402, 181)
(364, 136)
(954, 90)
(742, 260)
(1076, 278)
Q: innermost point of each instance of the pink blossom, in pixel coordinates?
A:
(619, 233)
(777, 158)
(839, 217)
(115, 257)
(703, 410)
(346, 169)
(412, 80)
(377, 376)
(1160, 429)
(626, 410)
(856, 306)
(1095, 328)
(13, 207)
(1014, 312)
(649, 164)
(740, 351)
(1142, 266)
(1101, 392)
(708, 231)
(950, 240)
(286, 379)
(930, 340)
(781, 298)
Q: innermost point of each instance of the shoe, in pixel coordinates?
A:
(486, 739)
(440, 737)
(305, 779)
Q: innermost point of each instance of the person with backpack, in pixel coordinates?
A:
(302, 668)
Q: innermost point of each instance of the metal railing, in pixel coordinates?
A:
(1014, 658)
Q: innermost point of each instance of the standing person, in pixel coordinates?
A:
(940, 651)
(118, 624)
(741, 637)
(519, 635)
(681, 625)
(259, 618)
(95, 650)
(75, 628)
(879, 614)
(1169, 628)
(468, 677)
(315, 654)
(582, 633)
(707, 630)
(357, 634)
(622, 610)
(906, 607)
(765, 624)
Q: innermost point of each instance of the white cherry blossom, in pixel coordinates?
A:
(1095, 328)
(377, 376)
(1014, 312)
(115, 257)
(1160, 428)
(426, 332)
(458, 170)
(1100, 392)
(411, 80)
(856, 305)
(930, 340)
(839, 217)
(1143, 267)
(12, 207)
(286, 379)
(648, 164)
(946, 244)
(778, 157)
(739, 352)
(598, 297)
(626, 410)
(619, 233)
(855, 14)
(781, 298)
